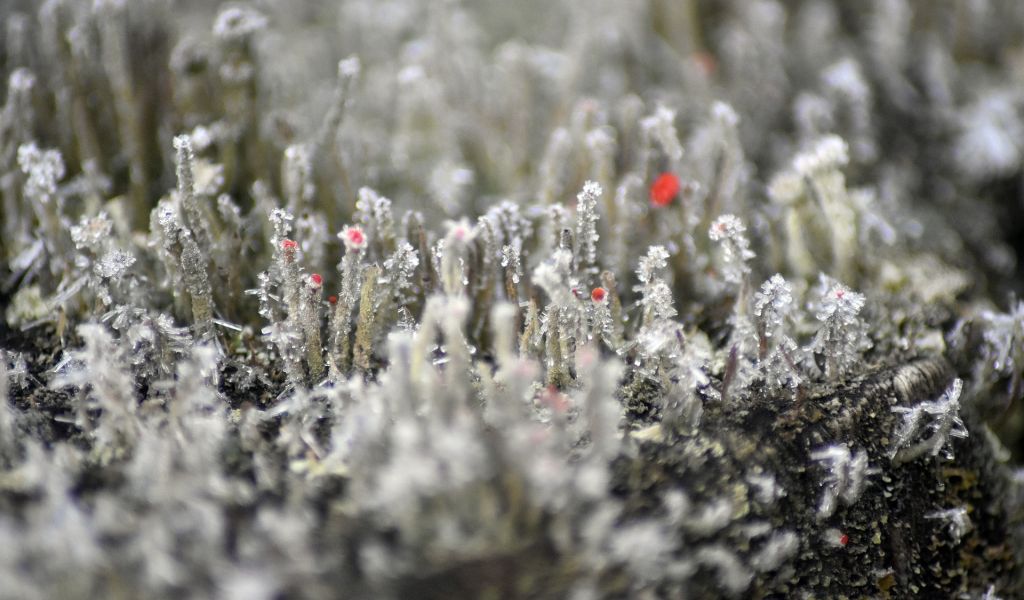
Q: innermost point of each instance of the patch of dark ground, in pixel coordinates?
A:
(893, 549)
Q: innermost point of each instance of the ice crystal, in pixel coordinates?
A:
(724, 114)
(780, 366)
(654, 261)
(98, 372)
(297, 175)
(1002, 348)
(114, 264)
(658, 300)
(684, 405)
(236, 23)
(777, 354)
(661, 127)
(92, 232)
(939, 419)
(552, 276)
(586, 224)
(401, 266)
(730, 233)
(281, 221)
(830, 152)
(785, 188)
(847, 476)
(773, 303)
(510, 260)
(841, 336)
(453, 259)
(733, 575)
(776, 551)
(955, 520)
(989, 139)
(44, 169)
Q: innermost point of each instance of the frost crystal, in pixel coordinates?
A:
(655, 260)
(779, 367)
(773, 303)
(21, 80)
(842, 335)
(98, 371)
(733, 575)
(44, 169)
(586, 223)
(401, 265)
(453, 270)
(92, 232)
(956, 521)
(1002, 350)
(552, 276)
(238, 22)
(114, 264)
(731, 234)
(724, 114)
(777, 550)
(297, 175)
(510, 260)
(989, 145)
(202, 138)
(944, 422)
(185, 169)
(846, 479)
(657, 300)
(785, 188)
(661, 126)
(831, 152)
(281, 221)
(349, 67)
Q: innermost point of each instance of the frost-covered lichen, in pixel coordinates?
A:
(628, 299)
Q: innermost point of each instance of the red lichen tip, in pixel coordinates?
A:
(332, 299)
(664, 189)
(706, 62)
(835, 538)
(353, 238)
(598, 294)
(287, 244)
(316, 280)
(555, 400)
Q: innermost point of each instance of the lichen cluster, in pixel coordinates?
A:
(617, 299)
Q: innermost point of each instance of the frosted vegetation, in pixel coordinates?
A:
(342, 298)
